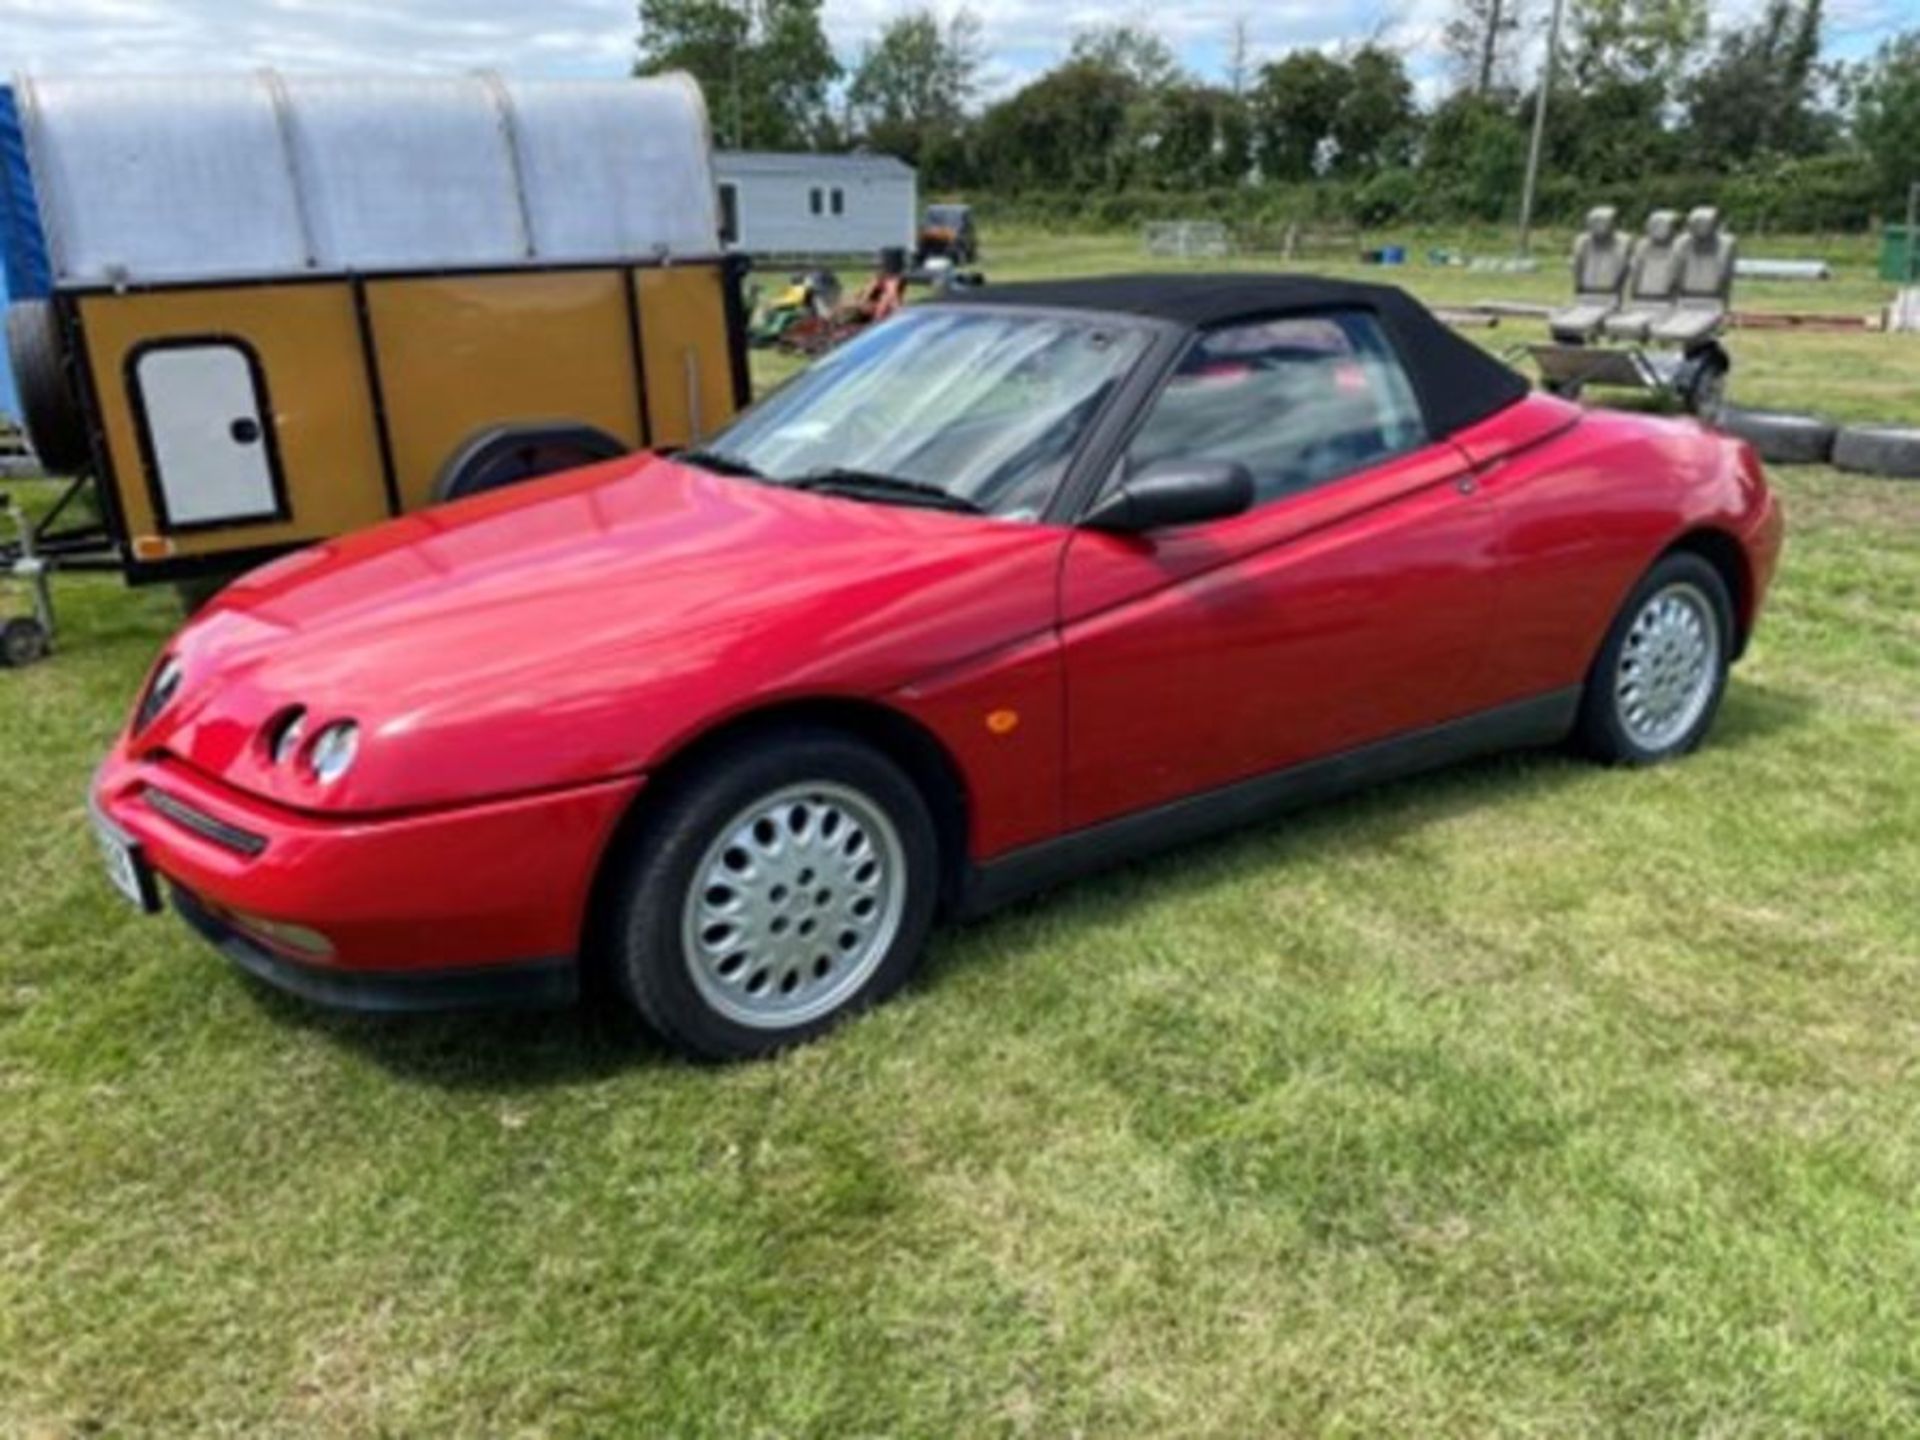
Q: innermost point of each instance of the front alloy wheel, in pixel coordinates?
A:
(782, 883)
(794, 905)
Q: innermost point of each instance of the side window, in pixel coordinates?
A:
(729, 213)
(839, 201)
(1299, 401)
(813, 200)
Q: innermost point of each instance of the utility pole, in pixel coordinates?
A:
(1237, 57)
(1539, 128)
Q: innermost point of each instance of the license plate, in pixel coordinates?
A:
(127, 869)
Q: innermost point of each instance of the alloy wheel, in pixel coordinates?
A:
(794, 905)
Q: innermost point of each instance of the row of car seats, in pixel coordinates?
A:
(1667, 286)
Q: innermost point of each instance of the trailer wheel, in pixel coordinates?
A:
(1703, 382)
(23, 642)
(504, 455)
(1780, 437)
(1892, 450)
(197, 593)
(48, 405)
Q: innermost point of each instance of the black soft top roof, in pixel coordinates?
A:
(1459, 384)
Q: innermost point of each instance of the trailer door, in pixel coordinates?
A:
(208, 433)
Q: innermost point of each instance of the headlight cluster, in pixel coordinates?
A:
(160, 692)
(325, 758)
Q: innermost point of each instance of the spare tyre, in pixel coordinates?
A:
(503, 455)
(1879, 450)
(54, 420)
(1780, 436)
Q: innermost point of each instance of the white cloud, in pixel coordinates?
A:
(596, 37)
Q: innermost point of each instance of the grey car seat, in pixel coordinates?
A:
(1706, 282)
(1600, 263)
(1653, 282)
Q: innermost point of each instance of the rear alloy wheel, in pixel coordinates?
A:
(784, 884)
(1654, 690)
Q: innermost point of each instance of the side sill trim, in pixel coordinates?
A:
(531, 984)
(1544, 720)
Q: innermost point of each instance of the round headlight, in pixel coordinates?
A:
(166, 685)
(285, 734)
(333, 751)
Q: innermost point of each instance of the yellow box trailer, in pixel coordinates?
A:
(257, 311)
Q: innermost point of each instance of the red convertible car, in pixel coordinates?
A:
(1025, 581)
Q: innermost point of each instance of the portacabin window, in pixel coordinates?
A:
(815, 201)
(839, 201)
(1299, 400)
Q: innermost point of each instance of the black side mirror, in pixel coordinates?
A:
(1174, 492)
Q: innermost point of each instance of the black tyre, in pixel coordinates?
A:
(1891, 450)
(505, 455)
(48, 405)
(23, 642)
(1780, 437)
(196, 594)
(785, 883)
(1656, 685)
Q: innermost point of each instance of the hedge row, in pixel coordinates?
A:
(1830, 193)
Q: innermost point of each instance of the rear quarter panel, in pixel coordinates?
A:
(1586, 511)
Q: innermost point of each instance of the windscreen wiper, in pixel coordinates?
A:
(872, 485)
(719, 464)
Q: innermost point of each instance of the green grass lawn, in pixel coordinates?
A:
(1526, 1097)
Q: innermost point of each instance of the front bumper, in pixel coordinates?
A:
(478, 904)
(533, 984)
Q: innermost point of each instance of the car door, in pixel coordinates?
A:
(1351, 603)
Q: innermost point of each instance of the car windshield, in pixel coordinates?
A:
(975, 408)
(948, 215)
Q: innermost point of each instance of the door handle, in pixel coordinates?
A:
(245, 431)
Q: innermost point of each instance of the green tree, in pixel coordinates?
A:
(909, 93)
(1376, 123)
(1618, 43)
(1888, 121)
(765, 65)
(1200, 138)
(1480, 38)
(1296, 105)
(1756, 96)
(1065, 130)
(1096, 119)
(1130, 51)
(1609, 121)
(1473, 156)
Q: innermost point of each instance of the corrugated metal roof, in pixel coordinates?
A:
(778, 162)
(171, 178)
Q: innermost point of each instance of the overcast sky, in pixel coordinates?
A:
(595, 37)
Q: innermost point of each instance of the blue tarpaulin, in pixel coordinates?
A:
(24, 270)
(9, 398)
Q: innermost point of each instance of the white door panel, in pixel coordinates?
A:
(207, 432)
